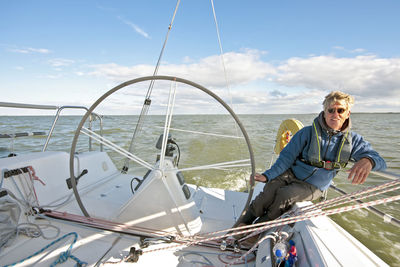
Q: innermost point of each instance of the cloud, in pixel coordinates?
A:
(120, 73)
(241, 68)
(296, 85)
(135, 27)
(30, 50)
(60, 62)
(357, 50)
(361, 75)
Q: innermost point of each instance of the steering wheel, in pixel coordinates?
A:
(171, 79)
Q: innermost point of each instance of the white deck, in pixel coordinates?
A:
(320, 242)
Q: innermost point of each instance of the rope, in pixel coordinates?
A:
(204, 133)
(168, 119)
(326, 204)
(63, 257)
(108, 225)
(147, 101)
(269, 224)
(221, 51)
(355, 195)
(29, 229)
(228, 164)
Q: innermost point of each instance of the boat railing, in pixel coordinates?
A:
(92, 118)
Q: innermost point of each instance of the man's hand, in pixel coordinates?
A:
(260, 178)
(360, 170)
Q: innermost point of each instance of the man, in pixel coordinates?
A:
(309, 162)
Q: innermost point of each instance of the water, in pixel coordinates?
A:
(199, 149)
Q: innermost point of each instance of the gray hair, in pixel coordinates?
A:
(338, 96)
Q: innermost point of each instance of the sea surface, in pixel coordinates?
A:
(198, 147)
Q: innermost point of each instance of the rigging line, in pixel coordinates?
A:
(221, 51)
(354, 194)
(107, 225)
(315, 209)
(386, 217)
(350, 199)
(137, 130)
(197, 132)
(203, 133)
(223, 61)
(116, 148)
(260, 227)
(147, 101)
(222, 164)
(269, 224)
(215, 167)
(162, 50)
(168, 119)
(300, 212)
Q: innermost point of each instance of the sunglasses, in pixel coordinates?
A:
(339, 110)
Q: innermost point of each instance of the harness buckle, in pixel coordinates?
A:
(328, 165)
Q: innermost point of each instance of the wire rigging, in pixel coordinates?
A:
(147, 101)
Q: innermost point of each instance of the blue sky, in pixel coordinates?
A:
(280, 56)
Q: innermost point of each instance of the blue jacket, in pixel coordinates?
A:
(297, 149)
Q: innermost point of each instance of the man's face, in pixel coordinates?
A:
(336, 114)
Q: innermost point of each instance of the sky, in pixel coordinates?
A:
(279, 56)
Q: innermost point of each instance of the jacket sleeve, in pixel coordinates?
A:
(363, 149)
(289, 153)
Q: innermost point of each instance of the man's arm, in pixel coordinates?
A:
(366, 158)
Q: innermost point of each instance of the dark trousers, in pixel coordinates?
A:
(279, 195)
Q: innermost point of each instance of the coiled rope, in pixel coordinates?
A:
(63, 257)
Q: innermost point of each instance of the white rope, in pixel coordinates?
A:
(354, 196)
(116, 148)
(146, 104)
(228, 164)
(221, 51)
(162, 50)
(315, 209)
(223, 61)
(204, 133)
(168, 119)
(269, 224)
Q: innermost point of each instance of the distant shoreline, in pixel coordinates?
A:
(239, 114)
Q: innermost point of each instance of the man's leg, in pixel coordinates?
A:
(288, 195)
(260, 204)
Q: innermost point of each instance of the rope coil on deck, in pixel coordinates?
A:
(64, 256)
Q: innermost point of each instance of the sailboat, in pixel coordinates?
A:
(102, 204)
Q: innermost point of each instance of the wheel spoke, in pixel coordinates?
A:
(116, 148)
